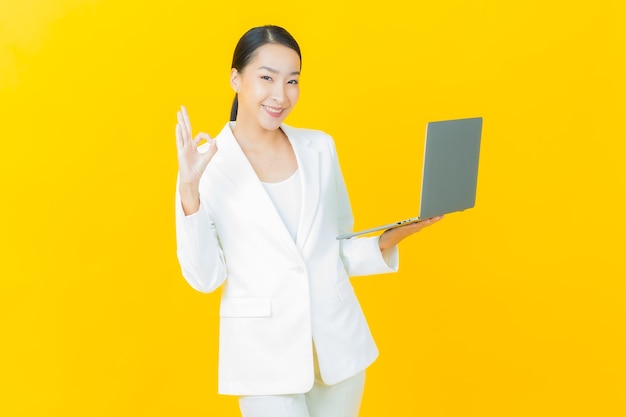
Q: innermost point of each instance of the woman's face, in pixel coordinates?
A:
(268, 87)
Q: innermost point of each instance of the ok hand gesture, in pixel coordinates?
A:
(191, 162)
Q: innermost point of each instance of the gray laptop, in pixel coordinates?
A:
(450, 171)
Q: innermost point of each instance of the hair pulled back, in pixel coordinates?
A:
(252, 40)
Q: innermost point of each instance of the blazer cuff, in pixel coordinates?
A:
(362, 256)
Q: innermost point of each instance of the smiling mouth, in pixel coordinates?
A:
(273, 110)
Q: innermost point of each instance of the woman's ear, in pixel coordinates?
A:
(234, 79)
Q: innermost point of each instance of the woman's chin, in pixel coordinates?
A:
(272, 124)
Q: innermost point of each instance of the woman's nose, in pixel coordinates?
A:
(279, 95)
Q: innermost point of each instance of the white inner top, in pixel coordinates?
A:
(287, 198)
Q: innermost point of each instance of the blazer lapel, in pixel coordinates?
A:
(234, 164)
(308, 163)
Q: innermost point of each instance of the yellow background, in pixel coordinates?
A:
(514, 308)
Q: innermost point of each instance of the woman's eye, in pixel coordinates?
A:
(293, 82)
(266, 77)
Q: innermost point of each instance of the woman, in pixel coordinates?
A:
(258, 209)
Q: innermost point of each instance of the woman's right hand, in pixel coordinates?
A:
(191, 162)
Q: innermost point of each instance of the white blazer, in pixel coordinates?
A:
(279, 294)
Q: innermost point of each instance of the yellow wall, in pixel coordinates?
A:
(514, 308)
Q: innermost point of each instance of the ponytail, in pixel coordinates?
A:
(252, 40)
(233, 109)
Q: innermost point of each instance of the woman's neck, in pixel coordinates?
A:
(254, 137)
(269, 151)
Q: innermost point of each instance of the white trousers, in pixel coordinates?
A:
(340, 400)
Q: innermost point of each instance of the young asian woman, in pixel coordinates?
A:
(258, 210)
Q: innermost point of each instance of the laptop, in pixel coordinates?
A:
(449, 173)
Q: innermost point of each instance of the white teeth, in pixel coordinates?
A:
(271, 110)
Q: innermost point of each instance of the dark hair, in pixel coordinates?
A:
(252, 40)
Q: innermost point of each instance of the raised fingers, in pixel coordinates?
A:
(179, 137)
(187, 125)
(183, 128)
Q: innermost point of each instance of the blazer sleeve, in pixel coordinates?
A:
(199, 252)
(360, 255)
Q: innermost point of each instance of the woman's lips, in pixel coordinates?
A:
(273, 111)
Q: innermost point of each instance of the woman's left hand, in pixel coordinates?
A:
(391, 237)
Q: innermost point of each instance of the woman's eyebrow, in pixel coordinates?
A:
(275, 71)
